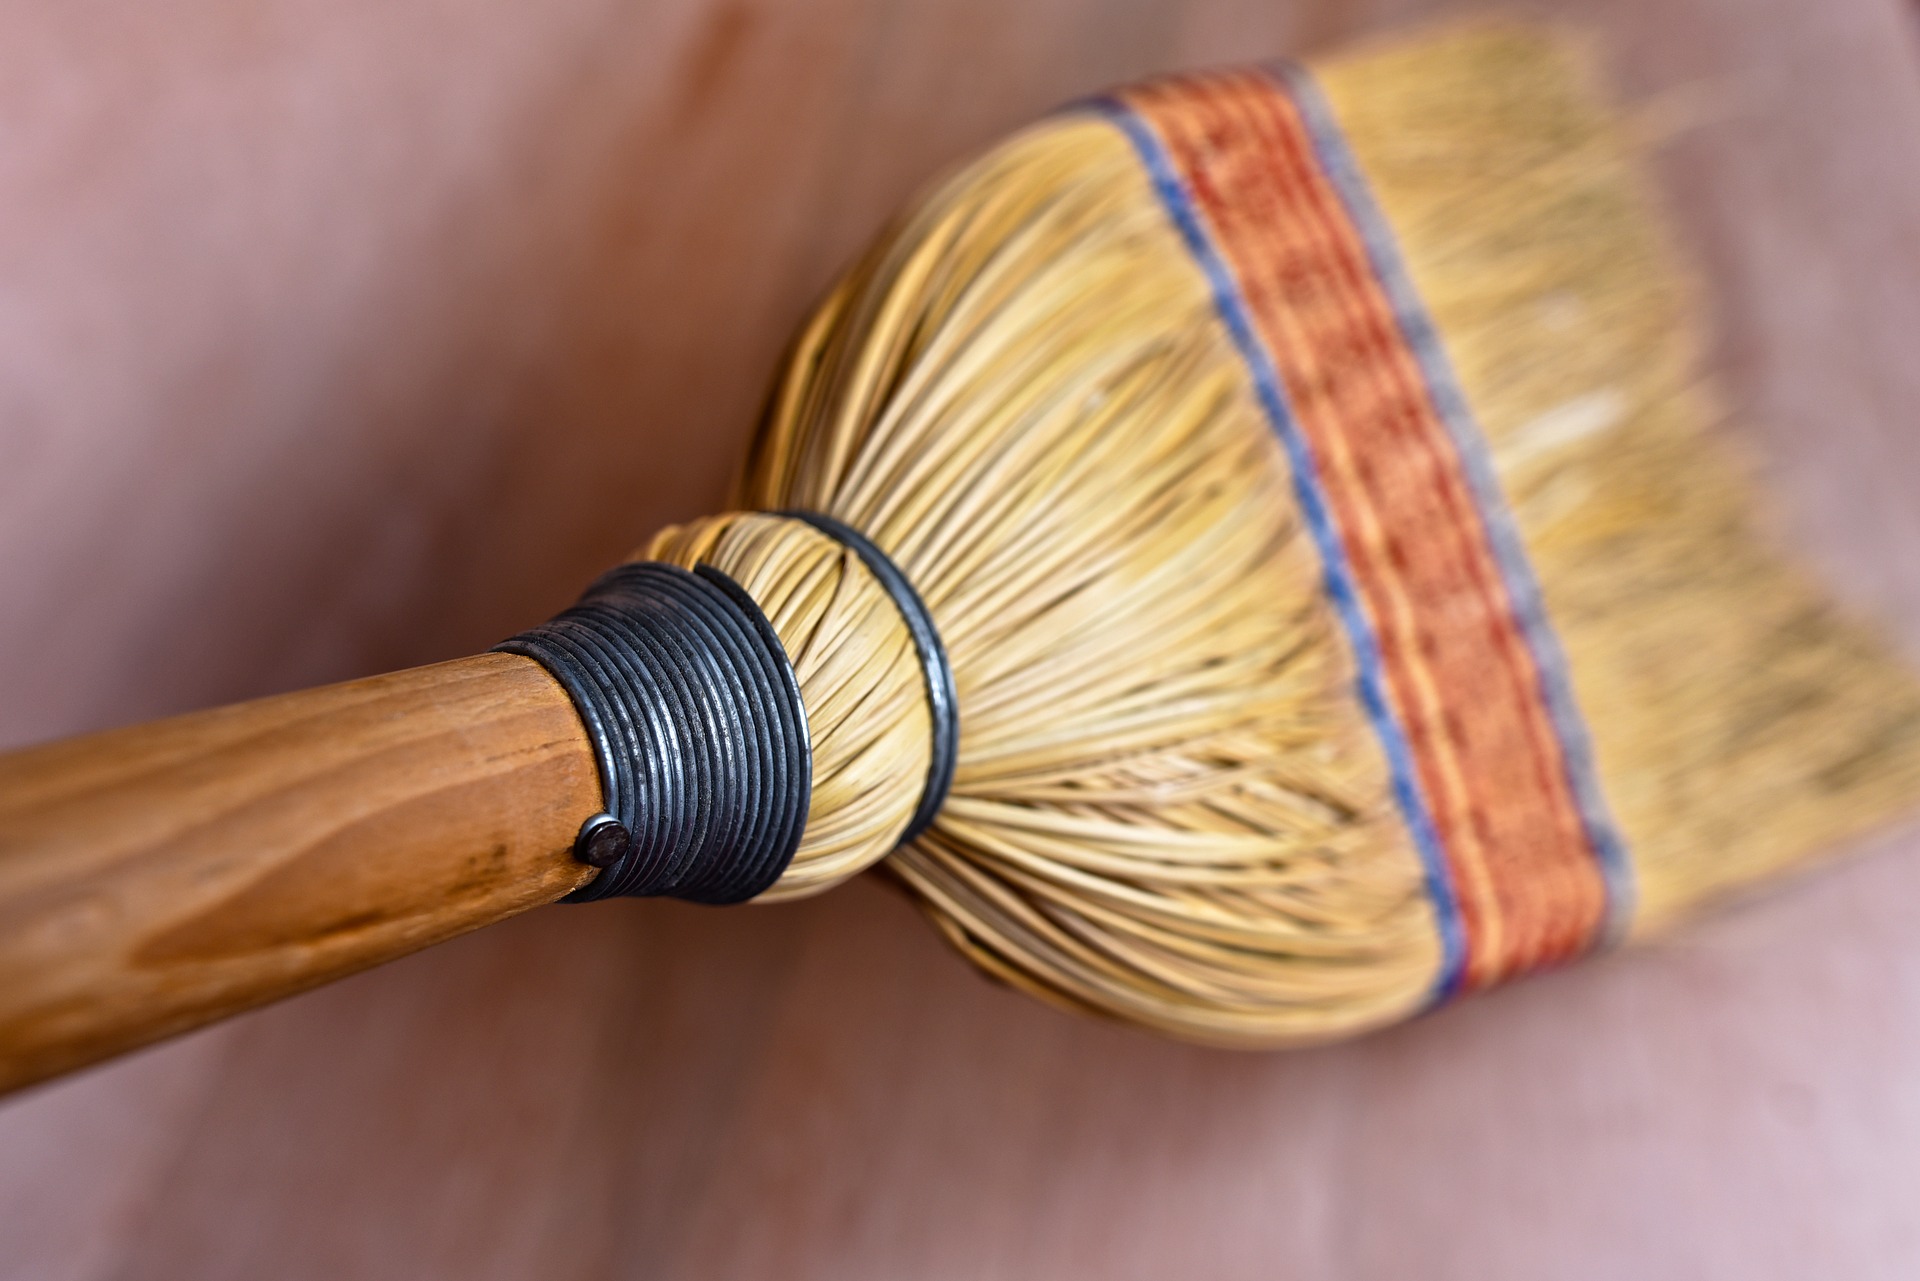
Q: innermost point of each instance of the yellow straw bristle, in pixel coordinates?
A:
(1170, 805)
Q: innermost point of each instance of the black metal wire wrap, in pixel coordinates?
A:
(695, 716)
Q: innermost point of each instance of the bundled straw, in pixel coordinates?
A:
(1170, 806)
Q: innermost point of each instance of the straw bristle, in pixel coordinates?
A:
(1170, 805)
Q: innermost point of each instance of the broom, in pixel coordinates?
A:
(1247, 554)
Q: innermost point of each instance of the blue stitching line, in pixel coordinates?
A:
(1339, 576)
(1523, 588)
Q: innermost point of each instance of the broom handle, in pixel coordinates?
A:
(156, 878)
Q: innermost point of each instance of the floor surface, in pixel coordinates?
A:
(338, 335)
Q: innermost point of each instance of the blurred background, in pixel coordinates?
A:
(342, 335)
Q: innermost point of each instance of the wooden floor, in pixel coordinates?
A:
(337, 335)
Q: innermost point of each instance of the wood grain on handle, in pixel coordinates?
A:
(156, 878)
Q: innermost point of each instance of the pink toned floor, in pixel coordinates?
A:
(338, 335)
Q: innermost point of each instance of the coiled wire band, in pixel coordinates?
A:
(696, 721)
(943, 705)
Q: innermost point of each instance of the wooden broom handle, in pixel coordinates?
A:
(156, 878)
